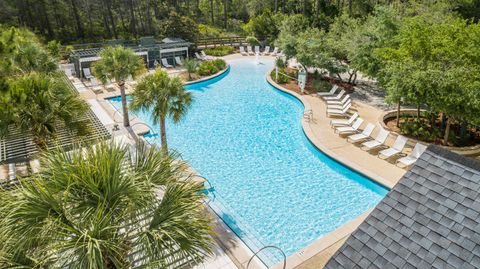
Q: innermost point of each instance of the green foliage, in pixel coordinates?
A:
(220, 64)
(321, 85)
(290, 28)
(163, 97)
(178, 26)
(220, 51)
(280, 63)
(253, 41)
(264, 27)
(282, 78)
(33, 98)
(117, 63)
(85, 208)
(208, 68)
(191, 66)
(54, 48)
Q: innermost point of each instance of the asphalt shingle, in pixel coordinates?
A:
(430, 219)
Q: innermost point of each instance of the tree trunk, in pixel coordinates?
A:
(276, 6)
(211, 12)
(225, 14)
(126, 120)
(48, 25)
(447, 132)
(133, 23)
(77, 19)
(284, 5)
(112, 20)
(399, 104)
(163, 135)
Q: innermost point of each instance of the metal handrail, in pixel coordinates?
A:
(265, 247)
(211, 187)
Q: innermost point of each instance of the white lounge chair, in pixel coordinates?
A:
(337, 102)
(242, 51)
(166, 64)
(205, 56)
(250, 51)
(413, 156)
(330, 93)
(342, 106)
(87, 74)
(274, 52)
(379, 141)
(178, 61)
(337, 123)
(257, 50)
(96, 86)
(350, 129)
(395, 149)
(199, 57)
(339, 112)
(364, 135)
(336, 97)
(266, 51)
(110, 86)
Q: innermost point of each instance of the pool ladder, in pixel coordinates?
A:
(265, 247)
(308, 115)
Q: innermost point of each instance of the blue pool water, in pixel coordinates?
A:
(273, 186)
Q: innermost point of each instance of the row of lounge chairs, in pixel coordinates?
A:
(266, 51)
(166, 64)
(340, 104)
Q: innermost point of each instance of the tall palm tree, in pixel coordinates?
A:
(118, 63)
(106, 206)
(163, 97)
(39, 104)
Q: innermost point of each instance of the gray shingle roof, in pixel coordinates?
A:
(430, 219)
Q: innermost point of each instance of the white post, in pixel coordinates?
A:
(276, 73)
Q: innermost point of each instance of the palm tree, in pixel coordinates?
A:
(191, 66)
(39, 104)
(118, 63)
(105, 206)
(163, 97)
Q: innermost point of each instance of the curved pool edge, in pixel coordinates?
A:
(307, 130)
(205, 79)
(323, 243)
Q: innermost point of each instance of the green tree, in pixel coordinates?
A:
(40, 104)
(436, 65)
(191, 66)
(163, 97)
(118, 63)
(86, 210)
(178, 26)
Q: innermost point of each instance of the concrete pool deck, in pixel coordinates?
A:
(324, 138)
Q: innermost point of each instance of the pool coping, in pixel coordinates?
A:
(323, 242)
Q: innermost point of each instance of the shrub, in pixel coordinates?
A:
(220, 51)
(321, 85)
(220, 64)
(282, 79)
(253, 41)
(208, 68)
(281, 63)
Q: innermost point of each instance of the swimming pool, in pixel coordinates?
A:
(273, 187)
